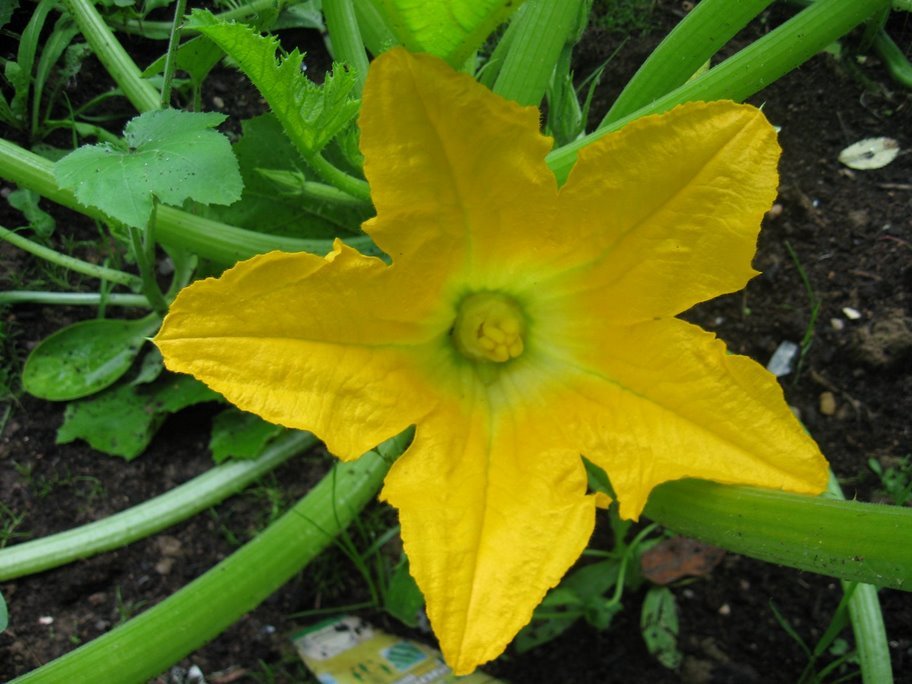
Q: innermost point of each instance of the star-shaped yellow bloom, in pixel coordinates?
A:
(518, 327)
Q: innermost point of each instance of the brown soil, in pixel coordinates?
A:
(851, 231)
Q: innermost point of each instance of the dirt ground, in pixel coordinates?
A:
(851, 233)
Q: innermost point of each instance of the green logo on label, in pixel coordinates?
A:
(403, 655)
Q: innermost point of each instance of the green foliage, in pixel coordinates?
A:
(195, 57)
(266, 157)
(310, 114)
(39, 220)
(582, 594)
(403, 599)
(565, 116)
(241, 435)
(85, 357)
(38, 55)
(172, 156)
(19, 72)
(827, 643)
(623, 16)
(450, 30)
(6, 11)
(122, 420)
(659, 626)
(10, 520)
(4, 614)
(896, 478)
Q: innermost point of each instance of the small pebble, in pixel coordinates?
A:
(827, 403)
(163, 567)
(218, 102)
(851, 314)
(837, 324)
(195, 675)
(725, 609)
(169, 546)
(45, 620)
(774, 212)
(783, 359)
(98, 598)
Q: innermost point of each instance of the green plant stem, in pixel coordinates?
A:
(894, 58)
(847, 539)
(111, 54)
(73, 298)
(867, 621)
(180, 7)
(375, 32)
(629, 549)
(347, 45)
(149, 643)
(750, 70)
(84, 130)
(206, 238)
(541, 33)
(149, 517)
(321, 192)
(161, 30)
(710, 25)
(150, 286)
(72, 263)
(355, 187)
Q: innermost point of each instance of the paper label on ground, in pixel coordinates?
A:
(349, 651)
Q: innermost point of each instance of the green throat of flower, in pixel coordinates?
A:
(489, 327)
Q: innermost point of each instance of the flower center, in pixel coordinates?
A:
(489, 327)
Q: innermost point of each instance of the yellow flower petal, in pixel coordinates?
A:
(663, 400)
(492, 516)
(310, 343)
(668, 209)
(457, 173)
(602, 500)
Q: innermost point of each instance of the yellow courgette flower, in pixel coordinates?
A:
(520, 326)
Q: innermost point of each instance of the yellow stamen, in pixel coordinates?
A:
(489, 327)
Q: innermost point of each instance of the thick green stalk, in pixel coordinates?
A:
(867, 621)
(847, 539)
(347, 45)
(111, 54)
(73, 298)
(490, 71)
(375, 32)
(71, 263)
(541, 32)
(710, 25)
(149, 643)
(750, 70)
(150, 517)
(209, 239)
